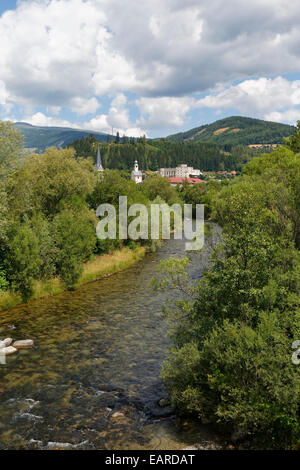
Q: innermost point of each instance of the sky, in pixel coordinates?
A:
(153, 67)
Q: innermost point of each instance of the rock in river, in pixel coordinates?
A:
(8, 350)
(6, 342)
(117, 414)
(23, 344)
(163, 402)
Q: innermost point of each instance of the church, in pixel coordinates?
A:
(99, 166)
(136, 175)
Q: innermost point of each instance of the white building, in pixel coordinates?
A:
(181, 171)
(136, 175)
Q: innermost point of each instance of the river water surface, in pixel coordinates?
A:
(98, 351)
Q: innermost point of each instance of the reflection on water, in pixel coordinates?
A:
(98, 351)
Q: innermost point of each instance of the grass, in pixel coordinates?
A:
(97, 268)
(106, 265)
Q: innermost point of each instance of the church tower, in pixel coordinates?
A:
(99, 166)
(136, 175)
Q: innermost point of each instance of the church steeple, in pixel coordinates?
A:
(99, 166)
(136, 174)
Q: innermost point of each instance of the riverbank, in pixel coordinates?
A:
(95, 269)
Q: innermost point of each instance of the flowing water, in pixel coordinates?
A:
(98, 351)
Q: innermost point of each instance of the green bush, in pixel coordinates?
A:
(231, 360)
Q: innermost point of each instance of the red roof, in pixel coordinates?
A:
(188, 180)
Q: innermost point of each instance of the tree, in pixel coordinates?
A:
(11, 153)
(47, 249)
(293, 142)
(46, 180)
(156, 185)
(231, 360)
(75, 238)
(23, 260)
(11, 148)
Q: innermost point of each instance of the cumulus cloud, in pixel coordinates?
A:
(48, 50)
(70, 53)
(84, 106)
(55, 50)
(3, 94)
(117, 119)
(200, 43)
(258, 97)
(40, 119)
(290, 116)
(161, 113)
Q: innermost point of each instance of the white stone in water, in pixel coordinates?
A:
(23, 344)
(118, 414)
(8, 350)
(7, 342)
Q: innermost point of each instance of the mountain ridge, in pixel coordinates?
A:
(236, 130)
(41, 137)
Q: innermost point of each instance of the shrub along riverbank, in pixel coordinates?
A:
(231, 364)
(97, 268)
(48, 220)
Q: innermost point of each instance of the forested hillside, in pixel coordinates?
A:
(155, 154)
(40, 138)
(237, 130)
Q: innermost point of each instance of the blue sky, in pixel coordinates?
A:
(7, 5)
(155, 67)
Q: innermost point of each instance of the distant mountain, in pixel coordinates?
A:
(39, 138)
(236, 130)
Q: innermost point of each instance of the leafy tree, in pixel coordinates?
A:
(75, 240)
(47, 249)
(3, 281)
(45, 180)
(11, 148)
(23, 260)
(233, 331)
(293, 142)
(156, 185)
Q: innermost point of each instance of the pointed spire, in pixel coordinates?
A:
(99, 162)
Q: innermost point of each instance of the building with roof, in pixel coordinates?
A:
(190, 181)
(181, 171)
(136, 174)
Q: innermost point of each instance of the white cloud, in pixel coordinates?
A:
(56, 50)
(135, 132)
(117, 119)
(163, 112)
(259, 98)
(118, 115)
(3, 93)
(40, 119)
(290, 116)
(84, 106)
(98, 123)
(48, 50)
(69, 53)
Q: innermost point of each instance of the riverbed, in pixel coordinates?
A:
(92, 380)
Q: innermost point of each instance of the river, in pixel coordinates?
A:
(98, 351)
